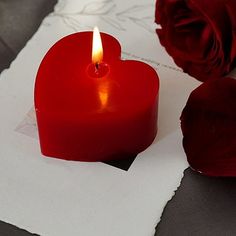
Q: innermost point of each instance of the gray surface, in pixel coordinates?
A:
(204, 206)
(19, 19)
(6, 55)
(23, 18)
(10, 230)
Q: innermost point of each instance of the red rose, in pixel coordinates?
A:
(200, 35)
(208, 123)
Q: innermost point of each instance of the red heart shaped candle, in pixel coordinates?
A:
(94, 111)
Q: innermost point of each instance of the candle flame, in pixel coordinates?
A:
(97, 51)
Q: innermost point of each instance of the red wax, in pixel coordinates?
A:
(90, 115)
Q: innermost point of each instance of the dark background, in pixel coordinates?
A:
(201, 206)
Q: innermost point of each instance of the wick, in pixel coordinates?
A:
(96, 66)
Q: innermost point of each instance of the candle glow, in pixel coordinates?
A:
(103, 94)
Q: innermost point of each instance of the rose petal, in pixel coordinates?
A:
(200, 35)
(208, 123)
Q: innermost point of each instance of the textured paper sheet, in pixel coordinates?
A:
(56, 198)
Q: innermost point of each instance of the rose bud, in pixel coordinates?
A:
(208, 123)
(200, 35)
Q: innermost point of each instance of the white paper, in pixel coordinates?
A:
(55, 197)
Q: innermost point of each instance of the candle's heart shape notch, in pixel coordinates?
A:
(94, 118)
